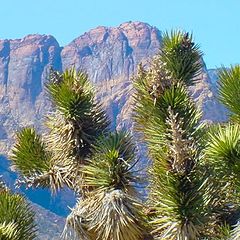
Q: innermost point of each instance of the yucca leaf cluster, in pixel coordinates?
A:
(223, 152)
(16, 217)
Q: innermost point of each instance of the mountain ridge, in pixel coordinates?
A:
(24, 66)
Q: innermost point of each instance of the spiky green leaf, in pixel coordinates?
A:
(181, 57)
(78, 119)
(29, 154)
(229, 89)
(112, 163)
(16, 218)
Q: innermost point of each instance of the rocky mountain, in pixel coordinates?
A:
(110, 55)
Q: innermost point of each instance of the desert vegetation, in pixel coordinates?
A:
(193, 178)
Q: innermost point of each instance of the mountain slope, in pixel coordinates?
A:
(109, 55)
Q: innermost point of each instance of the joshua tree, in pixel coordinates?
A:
(193, 177)
(81, 152)
(225, 150)
(170, 122)
(16, 216)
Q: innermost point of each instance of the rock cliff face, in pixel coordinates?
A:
(23, 69)
(109, 55)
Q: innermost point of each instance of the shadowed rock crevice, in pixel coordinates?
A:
(4, 61)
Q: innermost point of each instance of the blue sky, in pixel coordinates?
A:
(214, 23)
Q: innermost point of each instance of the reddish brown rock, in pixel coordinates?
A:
(24, 64)
(109, 55)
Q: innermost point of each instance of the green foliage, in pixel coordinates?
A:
(109, 210)
(179, 200)
(79, 120)
(223, 154)
(223, 161)
(55, 159)
(72, 94)
(229, 91)
(79, 151)
(16, 217)
(8, 231)
(29, 155)
(170, 122)
(112, 162)
(224, 148)
(177, 100)
(181, 57)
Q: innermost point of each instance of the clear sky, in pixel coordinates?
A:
(214, 23)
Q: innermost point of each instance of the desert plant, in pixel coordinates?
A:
(169, 121)
(80, 151)
(224, 149)
(16, 217)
